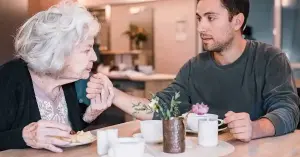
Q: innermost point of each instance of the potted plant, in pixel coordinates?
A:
(173, 123)
(137, 36)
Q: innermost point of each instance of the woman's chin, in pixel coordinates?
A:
(85, 75)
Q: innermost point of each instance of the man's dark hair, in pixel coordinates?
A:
(235, 7)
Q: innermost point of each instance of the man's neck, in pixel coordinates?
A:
(231, 53)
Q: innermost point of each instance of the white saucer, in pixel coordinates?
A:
(188, 130)
(139, 135)
(191, 131)
(145, 155)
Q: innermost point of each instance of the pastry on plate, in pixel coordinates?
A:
(80, 137)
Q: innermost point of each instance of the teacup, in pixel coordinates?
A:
(193, 119)
(152, 131)
(127, 146)
(208, 131)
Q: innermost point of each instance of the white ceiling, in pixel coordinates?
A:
(96, 3)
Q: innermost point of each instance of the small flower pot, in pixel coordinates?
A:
(174, 136)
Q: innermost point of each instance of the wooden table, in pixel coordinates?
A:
(283, 146)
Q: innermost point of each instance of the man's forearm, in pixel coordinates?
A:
(125, 102)
(262, 128)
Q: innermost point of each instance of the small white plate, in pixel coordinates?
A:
(196, 132)
(191, 131)
(139, 135)
(78, 144)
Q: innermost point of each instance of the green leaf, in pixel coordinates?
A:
(168, 115)
(162, 112)
(177, 95)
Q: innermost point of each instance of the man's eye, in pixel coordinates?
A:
(210, 18)
(199, 18)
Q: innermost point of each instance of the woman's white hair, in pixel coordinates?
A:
(47, 37)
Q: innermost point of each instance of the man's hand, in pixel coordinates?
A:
(240, 125)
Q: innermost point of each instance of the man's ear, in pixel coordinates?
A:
(237, 21)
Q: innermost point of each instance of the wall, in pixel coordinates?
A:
(12, 14)
(170, 54)
(289, 22)
(35, 6)
(296, 32)
(261, 19)
(290, 35)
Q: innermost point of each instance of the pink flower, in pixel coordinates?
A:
(200, 109)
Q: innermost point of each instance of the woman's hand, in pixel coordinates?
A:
(45, 134)
(100, 91)
(98, 84)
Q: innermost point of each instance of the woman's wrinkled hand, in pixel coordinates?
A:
(46, 135)
(100, 92)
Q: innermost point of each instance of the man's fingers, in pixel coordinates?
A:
(229, 113)
(236, 116)
(93, 79)
(104, 77)
(237, 124)
(239, 130)
(242, 136)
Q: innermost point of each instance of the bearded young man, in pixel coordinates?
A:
(248, 83)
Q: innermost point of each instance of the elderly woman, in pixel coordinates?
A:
(38, 98)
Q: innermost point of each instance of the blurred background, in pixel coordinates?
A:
(143, 43)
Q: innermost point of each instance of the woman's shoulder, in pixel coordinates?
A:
(15, 68)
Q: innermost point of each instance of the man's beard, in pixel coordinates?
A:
(218, 47)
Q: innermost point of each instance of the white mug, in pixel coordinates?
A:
(152, 131)
(208, 130)
(192, 120)
(127, 146)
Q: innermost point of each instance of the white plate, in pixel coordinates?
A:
(79, 144)
(139, 135)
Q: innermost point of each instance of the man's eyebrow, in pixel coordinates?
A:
(210, 13)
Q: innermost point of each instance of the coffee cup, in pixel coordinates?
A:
(152, 131)
(208, 130)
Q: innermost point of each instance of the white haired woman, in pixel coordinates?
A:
(38, 98)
